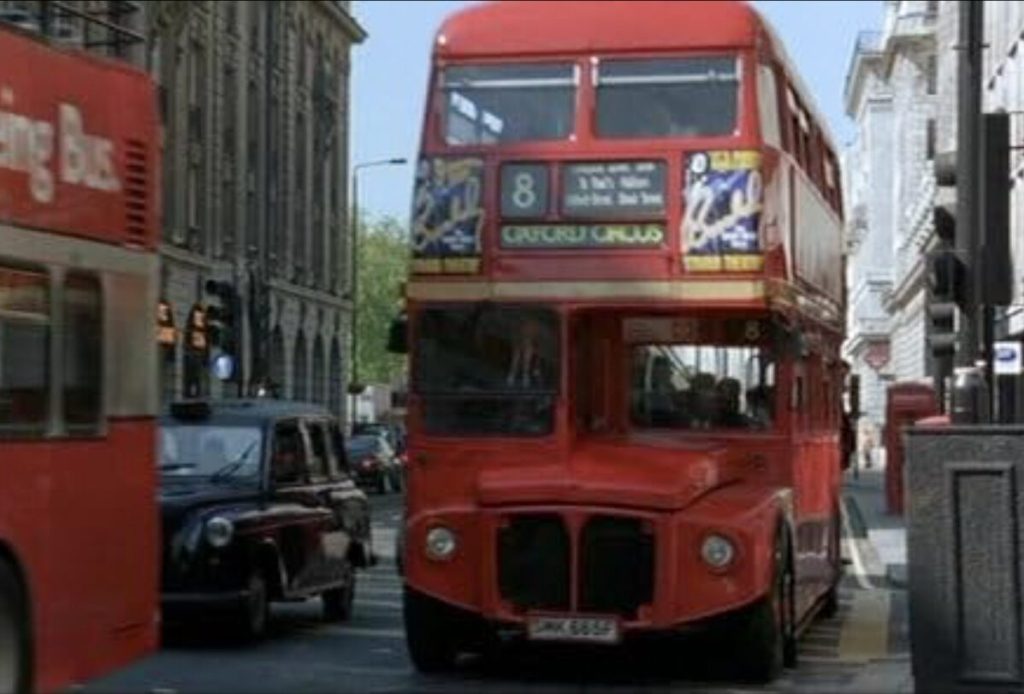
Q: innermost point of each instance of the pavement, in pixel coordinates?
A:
(881, 537)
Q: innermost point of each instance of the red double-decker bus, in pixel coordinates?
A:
(624, 314)
(79, 155)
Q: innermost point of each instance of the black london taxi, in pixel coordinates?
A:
(257, 505)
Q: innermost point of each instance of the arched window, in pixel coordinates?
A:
(277, 369)
(300, 371)
(319, 377)
(335, 386)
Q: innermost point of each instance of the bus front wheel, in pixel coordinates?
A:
(768, 631)
(15, 646)
(431, 634)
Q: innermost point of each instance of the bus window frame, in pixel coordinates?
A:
(438, 108)
(741, 58)
(55, 426)
(557, 394)
(44, 428)
(780, 416)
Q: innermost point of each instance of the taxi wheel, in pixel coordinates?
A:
(15, 645)
(338, 603)
(255, 613)
(429, 635)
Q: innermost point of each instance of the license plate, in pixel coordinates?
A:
(588, 629)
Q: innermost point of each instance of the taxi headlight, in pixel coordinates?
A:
(441, 543)
(219, 531)
(717, 551)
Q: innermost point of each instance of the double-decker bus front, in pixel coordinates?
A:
(79, 557)
(603, 436)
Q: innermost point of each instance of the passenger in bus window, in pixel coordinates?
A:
(759, 405)
(528, 369)
(705, 401)
(728, 405)
(662, 398)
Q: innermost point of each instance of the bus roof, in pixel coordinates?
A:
(505, 28)
(517, 27)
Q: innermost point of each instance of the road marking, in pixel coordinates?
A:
(866, 635)
(368, 632)
(378, 590)
(386, 604)
(859, 572)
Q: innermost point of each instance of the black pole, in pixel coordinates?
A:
(969, 228)
(260, 342)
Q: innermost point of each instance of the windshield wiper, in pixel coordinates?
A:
(234, 466)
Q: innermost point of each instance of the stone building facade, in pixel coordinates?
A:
(914, 71)
(892, 93)
(254, 98)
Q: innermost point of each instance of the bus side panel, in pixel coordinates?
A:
(84, 527)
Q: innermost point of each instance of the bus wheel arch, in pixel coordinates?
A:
(18, 641)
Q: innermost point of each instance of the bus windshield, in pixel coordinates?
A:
(676, 97)
(700, 386)
(488, 104)
(487, 370)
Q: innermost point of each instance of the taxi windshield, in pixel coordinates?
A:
(202, 450)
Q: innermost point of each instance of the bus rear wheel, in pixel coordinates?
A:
(15, 646)
(830, 605)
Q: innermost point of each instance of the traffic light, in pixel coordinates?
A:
(222, 318)
(946, 284)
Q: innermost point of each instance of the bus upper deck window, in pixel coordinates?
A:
(675, 97)
(488, 104)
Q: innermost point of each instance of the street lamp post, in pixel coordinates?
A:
(355, 388)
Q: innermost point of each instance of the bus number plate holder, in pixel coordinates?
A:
(585, 629)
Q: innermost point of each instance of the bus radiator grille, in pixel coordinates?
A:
(616, 571)
(533, 562)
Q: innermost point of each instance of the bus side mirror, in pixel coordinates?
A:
(398, 339)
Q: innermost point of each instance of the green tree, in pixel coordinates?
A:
(383, 262)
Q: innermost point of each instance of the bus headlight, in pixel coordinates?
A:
(717, 551)
(219, 531)
(441, 543)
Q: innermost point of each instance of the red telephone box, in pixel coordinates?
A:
(906, 403)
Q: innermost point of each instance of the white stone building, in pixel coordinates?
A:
(892, 95)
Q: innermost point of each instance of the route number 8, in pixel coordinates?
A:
(524, 196)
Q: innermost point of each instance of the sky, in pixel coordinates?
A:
(389, 78)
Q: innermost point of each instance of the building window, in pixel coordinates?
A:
(24, 351)
(929, 141)
(83, 353)
(300, 373)
(299, 234)
(932, 74)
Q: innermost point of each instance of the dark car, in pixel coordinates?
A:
(374, 463)
(394, 434)
(257, 505)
